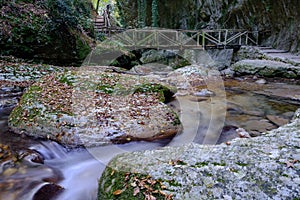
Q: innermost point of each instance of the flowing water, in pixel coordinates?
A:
(78, 170)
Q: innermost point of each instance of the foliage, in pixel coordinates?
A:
(22, 24)
(41, 28)
(154, 13)
(101, 4)
(142, 12)
(72, 13)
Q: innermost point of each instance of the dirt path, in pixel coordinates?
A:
(281, 54)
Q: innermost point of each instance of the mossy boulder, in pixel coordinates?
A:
(266, 68)
(93, 108)
(265, 167)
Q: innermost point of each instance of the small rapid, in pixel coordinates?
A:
(49, 170)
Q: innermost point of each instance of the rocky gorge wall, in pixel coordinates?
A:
(275, 20)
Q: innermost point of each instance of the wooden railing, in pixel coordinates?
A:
(183, 39)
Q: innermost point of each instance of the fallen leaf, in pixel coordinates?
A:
(290, 164)
(227, 143)
(133, 184)
(136, 191)
(117, 192)
(162, 193)
(149, 197)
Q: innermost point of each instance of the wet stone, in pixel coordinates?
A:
(279, 121)
(258, 125)
(49, 191)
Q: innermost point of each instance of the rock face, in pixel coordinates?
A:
(276, 20)
(257, 168)
(95, 108)
(266, 68)
(56, 32)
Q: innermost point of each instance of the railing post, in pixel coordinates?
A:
(226, 34)
(257, 33)
(247, 38)
(134, 38)
(219, 42)
(156, 39)
(203, 40)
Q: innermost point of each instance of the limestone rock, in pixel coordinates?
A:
(153, 56)
(152, 68)
(93, 108)
(297, 115)
(204, 93)
(265, 167)
(222, 58)
(265, 68)
(242, 133)
(261, 81)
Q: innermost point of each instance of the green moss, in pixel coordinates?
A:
(168, 172)
(220, 180)
(208, 174)
(30, 94)
(201, 164)
(176, 120)
(234, 170)
(165, 94)
(20, 113)
(107, 89)
(179, 63)
(66, 78)
(15, 116)
(219, 164)
(120, 185)
(83, 49)
(242, 164)
(174, 183)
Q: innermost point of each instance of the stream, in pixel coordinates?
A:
(78, 170)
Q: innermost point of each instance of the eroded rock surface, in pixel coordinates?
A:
(266, 68)
(95, 108)
(257, 168)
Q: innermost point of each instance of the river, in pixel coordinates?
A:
(78, 170)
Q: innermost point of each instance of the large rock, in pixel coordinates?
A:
(266, 68)
(15, 76)
(95, 108)
(265, 167)
(153, 56)
(222, 57)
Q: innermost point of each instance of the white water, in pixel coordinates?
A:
(80, 169)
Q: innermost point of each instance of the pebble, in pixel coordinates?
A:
(261, 81)
(204, 93)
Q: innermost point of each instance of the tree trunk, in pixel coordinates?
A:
(142, 12)
(154, 13)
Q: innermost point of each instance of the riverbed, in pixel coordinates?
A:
(73, 173)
